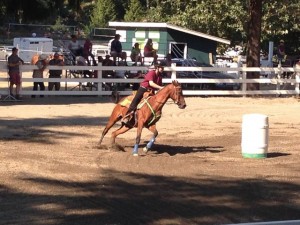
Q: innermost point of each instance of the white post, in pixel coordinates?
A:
(173, 76)
(270, 55)
(99, 82)
(244, 84)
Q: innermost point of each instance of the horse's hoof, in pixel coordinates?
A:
(135, 154)
(145, 149)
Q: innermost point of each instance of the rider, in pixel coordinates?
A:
(152, 81)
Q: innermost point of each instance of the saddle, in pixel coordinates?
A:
(127, 100)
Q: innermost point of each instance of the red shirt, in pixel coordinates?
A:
(151, 75)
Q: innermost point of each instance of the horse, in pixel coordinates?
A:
(145, 116)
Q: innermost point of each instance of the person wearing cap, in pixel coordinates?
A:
(281, 51)
(56, 61)
(13, 63)
(38, 73)
(152, 81)
(116, 48)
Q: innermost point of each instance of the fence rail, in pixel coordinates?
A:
(271, 77)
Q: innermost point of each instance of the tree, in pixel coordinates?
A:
(135, 11)
(253, 43)
(104, 11)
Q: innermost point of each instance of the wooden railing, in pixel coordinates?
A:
(275, 81)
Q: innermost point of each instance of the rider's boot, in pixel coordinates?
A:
(127, 118)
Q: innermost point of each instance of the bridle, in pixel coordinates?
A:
(178, 91)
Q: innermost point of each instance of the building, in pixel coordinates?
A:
(167, 38)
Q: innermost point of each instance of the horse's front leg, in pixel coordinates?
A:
(149, 145)
(137, 139)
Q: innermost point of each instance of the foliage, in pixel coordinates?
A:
(227, 18)
(135, 11)
(104, 11)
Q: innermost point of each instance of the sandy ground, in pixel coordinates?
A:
(52, 170)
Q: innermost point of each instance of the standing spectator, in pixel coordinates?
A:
(87, 51)
(38, 73)
(74, 47)
(149, 51)
(281, 51)
(116, 48)
(136, 54)
(168, 63)
(13, 63)
(56, 61)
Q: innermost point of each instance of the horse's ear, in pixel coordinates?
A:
(175, 82)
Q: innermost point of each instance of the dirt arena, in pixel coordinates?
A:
(53, 172)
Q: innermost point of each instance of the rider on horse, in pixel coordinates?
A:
(152, 82)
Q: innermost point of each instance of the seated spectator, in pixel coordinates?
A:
(56, 61)
(74, 47)
(122, 62)
(136, 54)
(168, 63)
(149, 51)
(116, 48)
(107, 62)
(81, 61)
(87, 51)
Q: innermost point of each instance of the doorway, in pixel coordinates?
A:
(178, 50)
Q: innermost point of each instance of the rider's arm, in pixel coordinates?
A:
(154, 85)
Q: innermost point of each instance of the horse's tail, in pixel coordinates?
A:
(115, 96)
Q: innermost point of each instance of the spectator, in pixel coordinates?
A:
(136, 54)
(116, 48)
(13, 63)
(149, 51)
(38, 73)
(122, 62)
(74, 47)
(168, 63)
(281, 51)
(56, 61)
(87, 51)
(107, 62)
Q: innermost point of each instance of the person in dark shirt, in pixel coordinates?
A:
(116, 48)
(56, 61)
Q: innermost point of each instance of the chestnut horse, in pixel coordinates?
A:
(146, 116)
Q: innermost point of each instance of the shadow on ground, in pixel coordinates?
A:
(130, 198)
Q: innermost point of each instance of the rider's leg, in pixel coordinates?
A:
(137, 98)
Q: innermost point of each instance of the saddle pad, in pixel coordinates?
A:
(127, 100)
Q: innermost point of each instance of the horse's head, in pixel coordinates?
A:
(177, 95)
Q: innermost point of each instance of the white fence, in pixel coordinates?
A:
(277, 85)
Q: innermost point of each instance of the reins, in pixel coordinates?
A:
(155, 116)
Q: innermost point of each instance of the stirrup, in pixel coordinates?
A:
(127, 118)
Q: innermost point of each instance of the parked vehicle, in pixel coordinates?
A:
(30, 46)
(5, 51)
(204, 75)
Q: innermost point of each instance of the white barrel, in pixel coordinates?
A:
(255, 136)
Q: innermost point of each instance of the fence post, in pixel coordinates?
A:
(173, 75)
(244, 78)
(297, 77)
(99, 77)
(278, 77)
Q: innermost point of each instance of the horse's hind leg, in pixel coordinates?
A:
(115, 116)
(152, 140)
(119, 131)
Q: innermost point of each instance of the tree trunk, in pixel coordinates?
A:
(253, 44)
